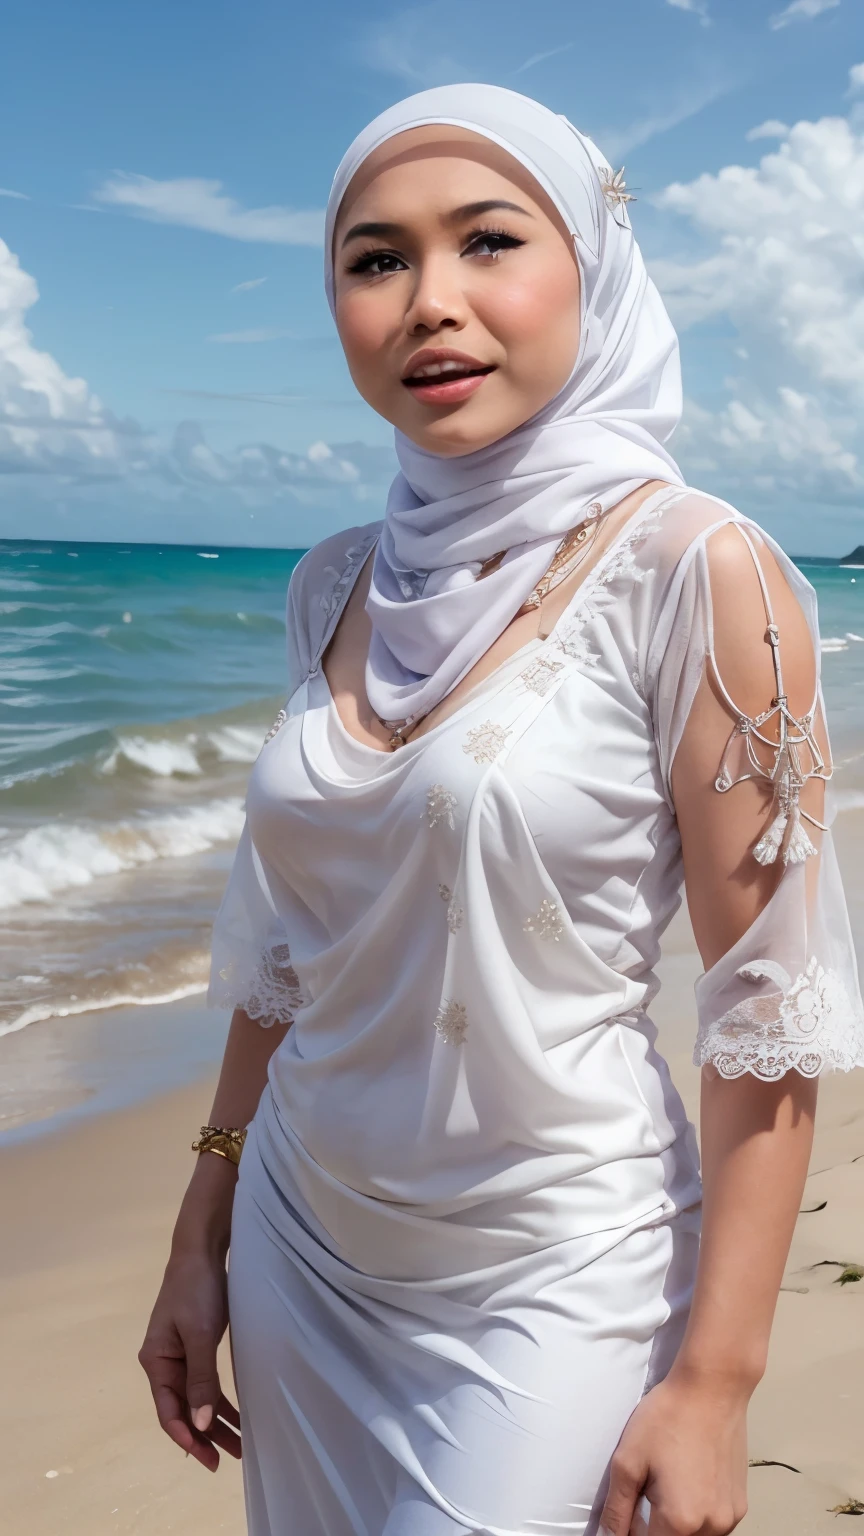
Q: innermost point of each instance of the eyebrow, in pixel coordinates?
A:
(455, 216)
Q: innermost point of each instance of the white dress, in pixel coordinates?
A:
(466, 1222)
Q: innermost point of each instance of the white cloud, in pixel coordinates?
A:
(6, 192)
(696, 7)
(616, 142)
(772, 129)
(406, 45)
(540, 58)
(259, 333)
(856, 78)
(783, 247)
(49, 421)
(198, 204)
(801, 10)
(252, 282)
(55, 432)
(786, 444)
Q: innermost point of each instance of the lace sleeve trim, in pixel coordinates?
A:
(793, 758)
(273, 994)
(809, 1025)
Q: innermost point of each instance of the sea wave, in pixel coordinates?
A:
(39, 1012)
(187, 756)
(58, 856)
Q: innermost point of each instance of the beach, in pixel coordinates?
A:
(120, 803)
(83, 1452)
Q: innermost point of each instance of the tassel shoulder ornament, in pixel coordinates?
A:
(789, 757)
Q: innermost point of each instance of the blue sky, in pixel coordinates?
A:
(170, 163)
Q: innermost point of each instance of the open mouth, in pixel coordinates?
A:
(446, 379)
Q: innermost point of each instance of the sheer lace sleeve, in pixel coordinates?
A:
(784, 995)
(250, 965)
(250, 959)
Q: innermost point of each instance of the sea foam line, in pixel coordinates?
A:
(60, 856)
(42, 1011)
(165, 757)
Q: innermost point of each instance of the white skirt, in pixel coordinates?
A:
(489, 1404)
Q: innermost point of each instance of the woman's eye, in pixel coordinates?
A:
(491, 242)
(377, 263)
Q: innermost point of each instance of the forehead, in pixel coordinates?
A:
(441, 154)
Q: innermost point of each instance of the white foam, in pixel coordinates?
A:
(850, 635)
(41, 1011)
(162, 758)
(833, 643)
(202, 556)
(236, 743)
(60, 856)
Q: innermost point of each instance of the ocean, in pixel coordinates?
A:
(136, 685)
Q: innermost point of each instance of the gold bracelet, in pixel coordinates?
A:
(225, 1141)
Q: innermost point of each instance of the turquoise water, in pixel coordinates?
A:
(136, 684)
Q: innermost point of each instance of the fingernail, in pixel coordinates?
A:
(201, 1418)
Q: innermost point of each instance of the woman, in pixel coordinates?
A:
(550, 683)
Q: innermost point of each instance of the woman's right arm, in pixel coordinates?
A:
(191, 1311)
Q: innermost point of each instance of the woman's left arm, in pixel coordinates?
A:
(685, 1446)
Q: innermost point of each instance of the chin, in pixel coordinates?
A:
(452, 438)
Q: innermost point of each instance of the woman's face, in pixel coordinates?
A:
(457, 289)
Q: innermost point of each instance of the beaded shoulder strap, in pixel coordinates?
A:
(795, 754)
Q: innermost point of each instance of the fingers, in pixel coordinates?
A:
(203, 1391)
(185, 1386)
(626, 1482)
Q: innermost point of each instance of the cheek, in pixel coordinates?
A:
(536, 317)
(364, 325)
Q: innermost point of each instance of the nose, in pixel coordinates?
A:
(437, 299)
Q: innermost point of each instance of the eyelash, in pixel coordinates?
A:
(364, 261)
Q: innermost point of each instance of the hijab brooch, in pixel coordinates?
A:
(614, 187)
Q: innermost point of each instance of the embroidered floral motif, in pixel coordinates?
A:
(451, 1022)
(538, 676)
(547, 923)
(454, 917)
(276, 726)
(485, 741)
(808, 1024)
(440, 805)
(575, 645)
(595, 595)
(331, 599)
(444, 892)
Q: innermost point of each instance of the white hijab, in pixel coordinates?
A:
(600, 437)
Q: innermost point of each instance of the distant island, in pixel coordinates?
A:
(856, 557)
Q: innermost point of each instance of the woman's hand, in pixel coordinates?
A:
(685, 1450)
(189, 1319)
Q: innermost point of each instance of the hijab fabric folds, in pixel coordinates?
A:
(600, 437)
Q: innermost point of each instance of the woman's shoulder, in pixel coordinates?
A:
(321, 574)
(324, 562)
(699, 533)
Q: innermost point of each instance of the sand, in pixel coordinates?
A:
(86, 1214)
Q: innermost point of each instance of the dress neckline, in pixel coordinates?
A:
(651, 504)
